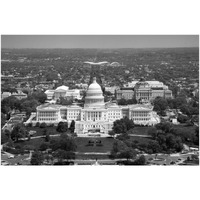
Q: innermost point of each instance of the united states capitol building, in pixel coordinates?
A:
(96, 116)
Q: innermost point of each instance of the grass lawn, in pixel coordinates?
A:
(91, 156)
(82, 144)
(33, 142)
(190, 129)
(40, 131)
(141, 139)
(140, 130)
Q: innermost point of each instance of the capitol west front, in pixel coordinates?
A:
(96, 116)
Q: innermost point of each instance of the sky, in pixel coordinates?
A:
(99, 41)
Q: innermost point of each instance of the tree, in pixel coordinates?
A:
(9, 104)
(47, 137)
(37, 124)
(140, 161)
(18, 132)
(122, 102)
(44, 146)
(123, 125)
(64, 101)
(153, 132)
(62, 155)
(62, 127)
(43, 125)
(3, 119)
(196, 139)
(160, 104)
(51, 76)
(4, 138)
(161, 139)
(182, 118)
(154, 146)
(64, 142)
(29, 105)
(111, 133)
(123, 136)
(7, 133)
(72, 126)
(39, 96)
(118, 146)
(37, 158)
(166, 127)
(173, 142)
(128, 153)
(67, 143)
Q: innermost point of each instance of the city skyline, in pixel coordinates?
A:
(99, 41)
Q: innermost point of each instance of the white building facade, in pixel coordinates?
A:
(96, 116)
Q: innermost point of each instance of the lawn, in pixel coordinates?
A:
(140, 139)
(33, 142)
(40, 131)
(140, 130)
(91, 156)
(190, 129)
(83, 142)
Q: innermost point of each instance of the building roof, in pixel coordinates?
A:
(96, 63)
(63, 87)
(6, 93)
(49, 106)
(140, 107)
(49, 91)
(60, 90)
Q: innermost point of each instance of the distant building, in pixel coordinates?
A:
(154, 84)
(124, 93)
(7, 78)
(144, 91)
(63, 91)
(111, 89)
(20, 95)
(82, 85)
(49, 94)
(5, 95)
(115, 64)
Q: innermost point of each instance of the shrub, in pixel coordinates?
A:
(37, 124)
(18, 147)
(43, 125)
(29, 147)
(29, 125)
(43, 147)
(62, 127)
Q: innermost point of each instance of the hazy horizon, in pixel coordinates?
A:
(108, 48)
(98, 41)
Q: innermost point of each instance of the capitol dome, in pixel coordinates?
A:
(94, 95)
(94, 88)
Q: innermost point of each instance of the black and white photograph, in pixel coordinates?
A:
(100, 100)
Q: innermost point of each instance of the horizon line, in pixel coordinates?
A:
(101, 47)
